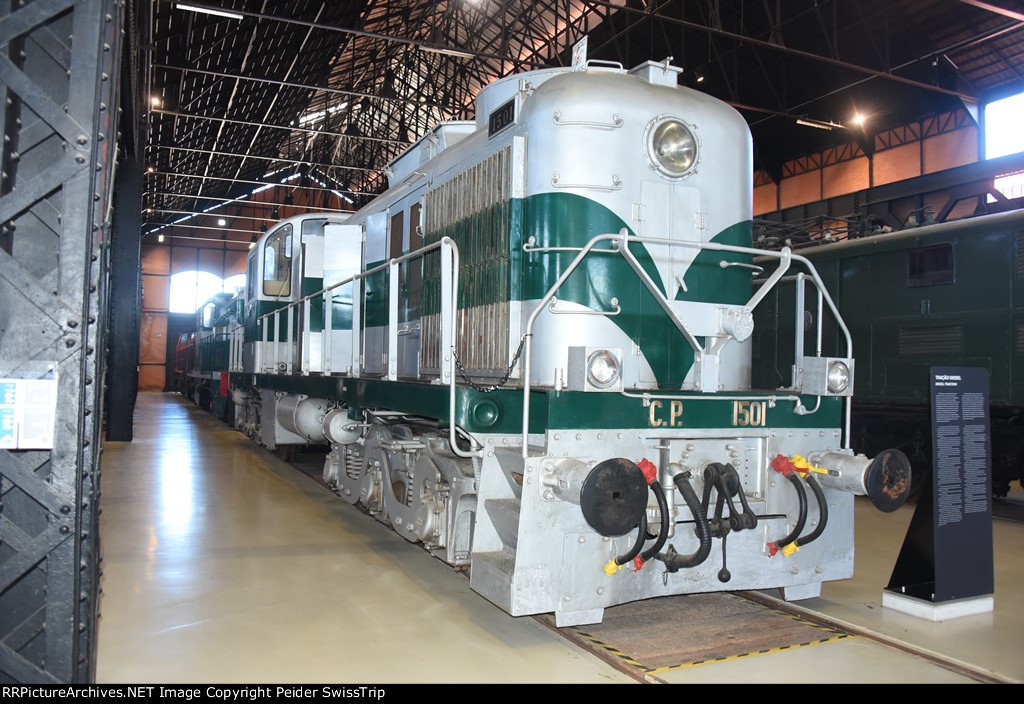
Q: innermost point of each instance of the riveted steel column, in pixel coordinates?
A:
(59, 68)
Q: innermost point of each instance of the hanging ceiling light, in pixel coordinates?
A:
(817, 124)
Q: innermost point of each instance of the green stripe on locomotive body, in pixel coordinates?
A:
(588, 410)
(341, 309)
(568, 220)
(501, 411)
(213, 354)
(254, 327)
(706, 280)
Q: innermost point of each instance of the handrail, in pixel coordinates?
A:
(616, 122)
(798, 345)
(449, 331)
(621, 240)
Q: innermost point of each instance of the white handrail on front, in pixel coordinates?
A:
(621, 241)
(449, 310)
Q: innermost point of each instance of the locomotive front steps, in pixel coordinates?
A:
(504, 515)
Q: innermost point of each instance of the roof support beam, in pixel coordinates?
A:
(246, 202)
(1019, 16)
(264, 158)
(363, 33)
(787, 50)
(288, 185)
(307, 130)
(301, 86)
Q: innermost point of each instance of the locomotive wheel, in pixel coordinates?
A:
(1000, 488)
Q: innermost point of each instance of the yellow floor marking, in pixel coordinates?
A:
(727, 658)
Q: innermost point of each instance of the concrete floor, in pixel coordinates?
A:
(223, 564)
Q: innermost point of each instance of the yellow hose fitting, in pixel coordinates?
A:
(790, 549)
(611, 568)
(801, 462)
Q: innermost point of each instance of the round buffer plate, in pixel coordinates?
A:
(614, 496)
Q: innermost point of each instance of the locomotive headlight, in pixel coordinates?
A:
(602, 369)
(672, 146)
(838, 377)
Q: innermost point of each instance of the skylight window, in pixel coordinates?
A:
(311, 117)
(1003, 134)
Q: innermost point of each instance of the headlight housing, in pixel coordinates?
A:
(838, 377)
(671, 146)
(603, 369)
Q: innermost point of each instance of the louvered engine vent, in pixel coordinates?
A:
(1020, 253)
(940, 339)
(1020, 338)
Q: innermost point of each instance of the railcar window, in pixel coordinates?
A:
(277, 263)
(208, 311)
(313, 227)
(929, 266)
(251, 279)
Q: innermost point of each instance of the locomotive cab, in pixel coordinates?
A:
(284, 266)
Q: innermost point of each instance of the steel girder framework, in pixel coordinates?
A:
(59, 64)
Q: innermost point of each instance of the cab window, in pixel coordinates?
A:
(277, 263)
(208, 310)
(250, 279)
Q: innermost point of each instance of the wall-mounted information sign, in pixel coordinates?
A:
(27, 410)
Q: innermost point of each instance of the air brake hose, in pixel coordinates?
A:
(822, 512)
(659, 494)
(641, 538)
(673, 560)
(802, 515)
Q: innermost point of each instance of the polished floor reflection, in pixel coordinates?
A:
(223, 564)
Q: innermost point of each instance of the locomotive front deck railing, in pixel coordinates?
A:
(621, 241)
(449, 253)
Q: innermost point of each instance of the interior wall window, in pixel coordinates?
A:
(1002, 126)
(1004, 136)
(190, 289)
(929, 266)
(277, 263)
(234, 283)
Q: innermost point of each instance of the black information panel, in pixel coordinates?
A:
(947, 553)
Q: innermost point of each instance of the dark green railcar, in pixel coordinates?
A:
(203, 357)
(950, 294)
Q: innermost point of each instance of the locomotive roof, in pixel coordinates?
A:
(908, 236)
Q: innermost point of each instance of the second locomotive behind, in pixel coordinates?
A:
(532, 355)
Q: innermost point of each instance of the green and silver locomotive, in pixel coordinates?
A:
(532, 354)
